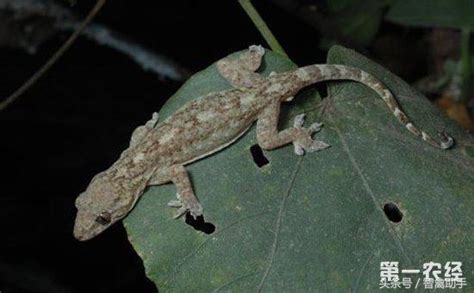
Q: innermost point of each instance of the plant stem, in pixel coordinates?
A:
(262, 27)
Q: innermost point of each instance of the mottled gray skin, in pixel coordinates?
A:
(158, 153)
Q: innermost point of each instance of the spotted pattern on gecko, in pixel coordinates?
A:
(159, 151)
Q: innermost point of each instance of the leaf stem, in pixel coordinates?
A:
(262, 27)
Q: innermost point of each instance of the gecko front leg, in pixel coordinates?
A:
(142, 130)
(240, 73)
(186, 199)
(269, 137)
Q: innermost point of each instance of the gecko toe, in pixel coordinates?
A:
(195, 210)
(447, 141)
(309, 146)
(179, 213)
(299, 121)
(317, 145)
(299, 150)
(315, 127)
(175, 203)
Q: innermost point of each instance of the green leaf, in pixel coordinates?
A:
(315, 223)
(356, 21)
(439, 13)
(338, 5)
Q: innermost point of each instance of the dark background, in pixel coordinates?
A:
(78, 118)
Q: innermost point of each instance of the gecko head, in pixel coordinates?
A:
(98, 208)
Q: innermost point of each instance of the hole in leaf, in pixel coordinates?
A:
(258, 156)
(392, 212)
(199, 224)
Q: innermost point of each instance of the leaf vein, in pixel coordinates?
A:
(368, 189)
(202, 244)
(278, 226)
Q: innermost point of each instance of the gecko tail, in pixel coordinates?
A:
(316, 73)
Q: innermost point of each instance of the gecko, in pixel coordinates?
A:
(159, 151)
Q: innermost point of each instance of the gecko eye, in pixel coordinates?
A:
(103, 218)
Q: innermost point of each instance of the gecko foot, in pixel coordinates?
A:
(447, 141)
(306, 143)
(183, 206)
(142, 130)
(257, 50)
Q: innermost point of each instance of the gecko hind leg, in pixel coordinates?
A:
(186, 199)
(269, 137)
(310, 145)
